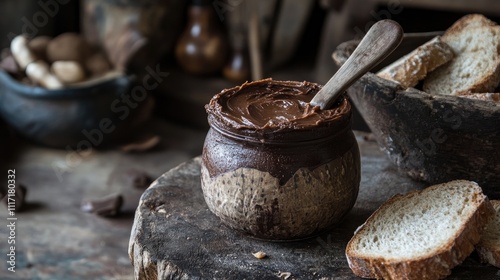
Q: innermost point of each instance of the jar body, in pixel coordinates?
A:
(280, 190)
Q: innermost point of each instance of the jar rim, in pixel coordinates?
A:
(292, 133)
(285, 136)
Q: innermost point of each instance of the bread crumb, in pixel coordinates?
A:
(284, 275)
(259, 255)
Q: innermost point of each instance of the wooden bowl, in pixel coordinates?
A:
(78, 117)
(432, 138)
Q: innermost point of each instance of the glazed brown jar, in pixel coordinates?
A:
(274, 166)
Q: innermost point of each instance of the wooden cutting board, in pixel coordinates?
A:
(175, 236)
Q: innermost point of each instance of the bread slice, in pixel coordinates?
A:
(413, 67)
(421, 235)
(489, 246)
(493, 97)
(472, 21)
(475, 40)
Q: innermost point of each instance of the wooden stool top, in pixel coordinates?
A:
(175, 236)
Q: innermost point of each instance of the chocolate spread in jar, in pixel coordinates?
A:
(270, 126)
(276, 167)
(273, 105)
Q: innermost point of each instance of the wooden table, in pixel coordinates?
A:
(54, 238)
(175, 236)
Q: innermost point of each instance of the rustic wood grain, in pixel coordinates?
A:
(175, 236)
(54, 238)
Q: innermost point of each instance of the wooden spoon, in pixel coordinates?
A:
(382, 38)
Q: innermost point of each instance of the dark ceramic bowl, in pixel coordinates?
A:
(432, 138)
(94, 114)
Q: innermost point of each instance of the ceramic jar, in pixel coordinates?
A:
(280, 184)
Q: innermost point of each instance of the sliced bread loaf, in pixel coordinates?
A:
(489, 246)
(421, 235)
(471, 21)
(413, 67)
(475, 40)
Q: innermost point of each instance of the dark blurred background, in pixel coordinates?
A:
(295, 39)
(193, 49)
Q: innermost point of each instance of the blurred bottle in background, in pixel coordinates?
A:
(202, 48)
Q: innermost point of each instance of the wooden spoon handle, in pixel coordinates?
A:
(382, 38)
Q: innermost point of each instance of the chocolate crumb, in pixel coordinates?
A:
(107, 206)
(138, 179)
(19, 197)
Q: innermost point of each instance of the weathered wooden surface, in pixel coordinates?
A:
(175, 236)
(54, 238)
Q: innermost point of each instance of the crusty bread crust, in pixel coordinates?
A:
(489, 251)
(466, 22)
(413, 67)
(432, 266)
